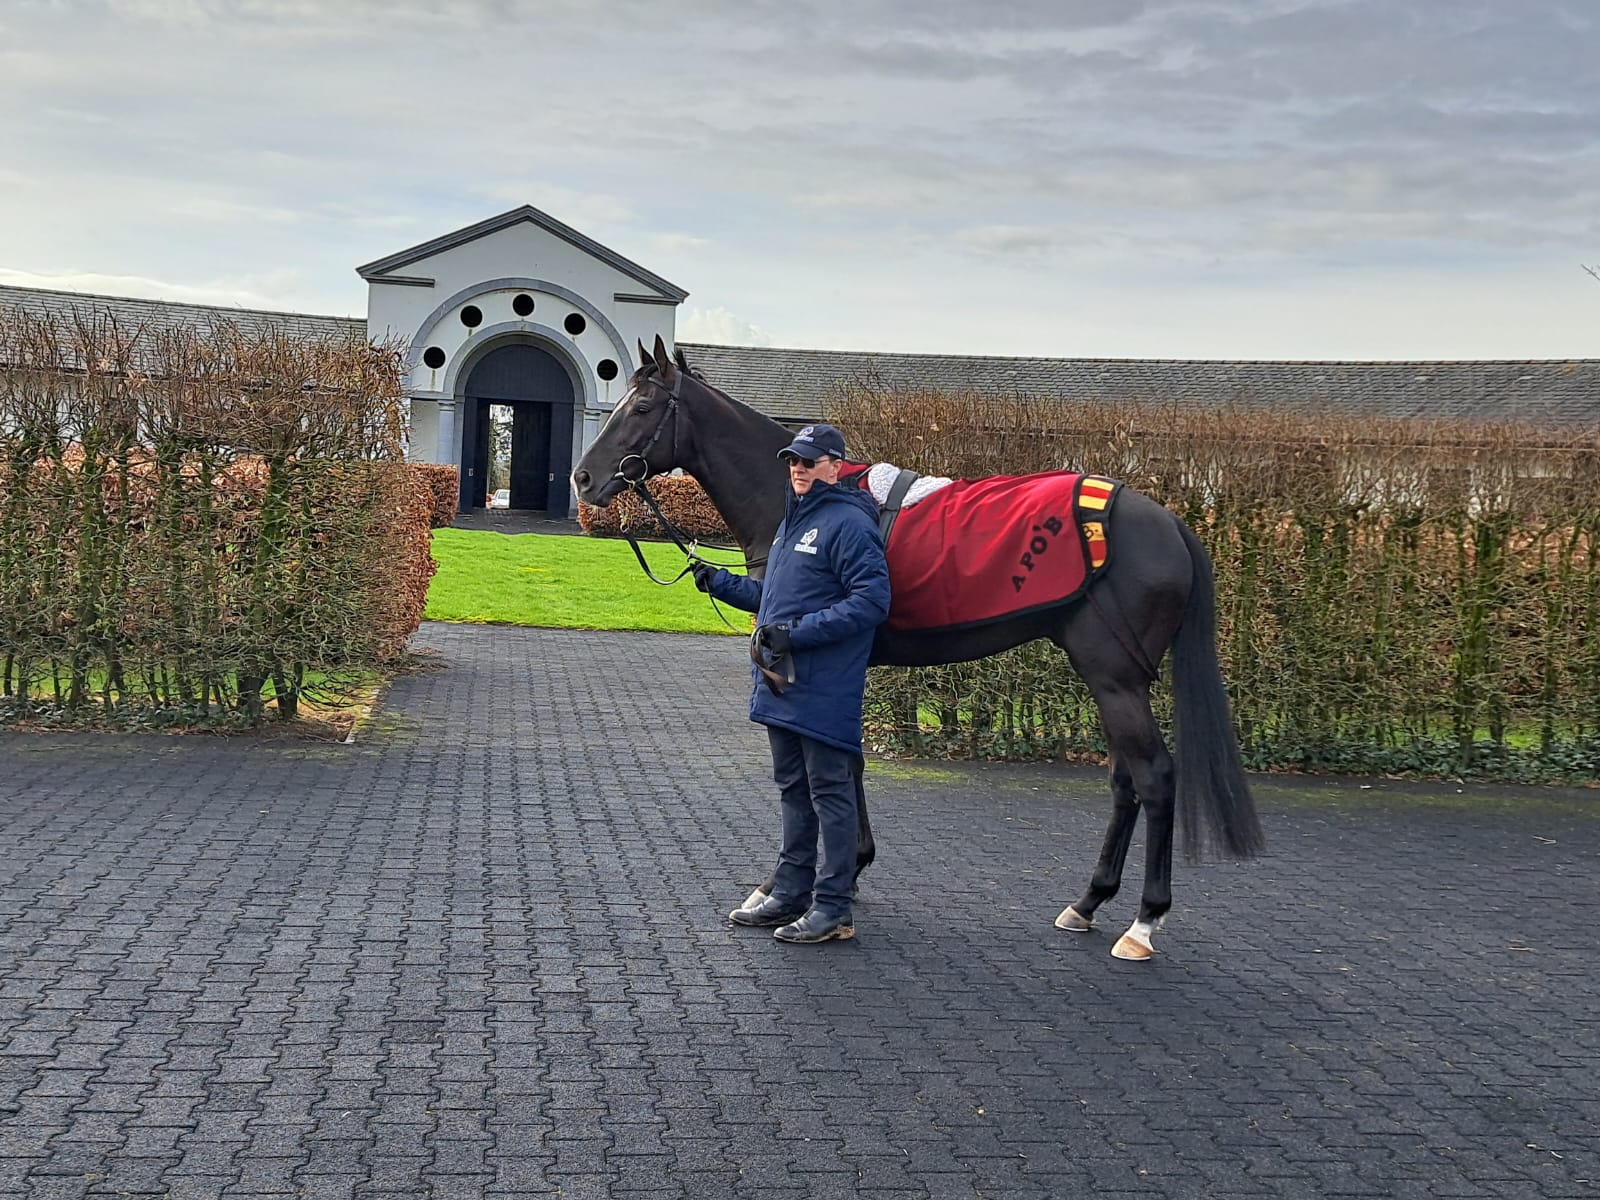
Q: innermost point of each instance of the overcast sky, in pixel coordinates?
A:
(1118, 178)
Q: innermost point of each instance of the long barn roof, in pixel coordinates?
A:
(132, 313)
(794, 385)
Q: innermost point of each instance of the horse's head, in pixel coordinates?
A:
(647, 431)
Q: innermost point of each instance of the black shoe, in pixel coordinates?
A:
(814, 927)
(771, 911)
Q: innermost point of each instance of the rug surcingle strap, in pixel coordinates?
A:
(891, 506)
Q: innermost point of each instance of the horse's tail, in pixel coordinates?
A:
(1213, 799)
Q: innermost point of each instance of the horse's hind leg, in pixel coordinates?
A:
(1141, 778)
(1136, 744)
(1107, 877)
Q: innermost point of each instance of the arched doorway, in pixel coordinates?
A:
(538, 389)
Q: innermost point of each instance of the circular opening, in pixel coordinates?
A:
(472, 316)
(575, 324)
(434, 357)
(522, 304)
(607, 370)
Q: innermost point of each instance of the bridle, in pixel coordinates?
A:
(636, 483)
(669, 413)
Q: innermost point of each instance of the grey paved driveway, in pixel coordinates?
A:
(482, 953)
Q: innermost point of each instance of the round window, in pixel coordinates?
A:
(575, 324)
(433, 357)
(607, 369)
(472, 316)
(522, 304)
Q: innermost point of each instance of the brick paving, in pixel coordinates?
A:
(482, 952)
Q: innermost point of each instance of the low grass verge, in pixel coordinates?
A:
(327, 711)
(560, 582)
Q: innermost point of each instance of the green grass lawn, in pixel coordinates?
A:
(565, 583)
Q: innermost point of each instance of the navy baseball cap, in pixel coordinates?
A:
(814, 442)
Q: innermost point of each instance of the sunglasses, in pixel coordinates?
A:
(809, 464)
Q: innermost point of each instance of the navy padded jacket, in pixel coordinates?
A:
(828, 580)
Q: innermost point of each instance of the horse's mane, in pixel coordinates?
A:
(652, 370)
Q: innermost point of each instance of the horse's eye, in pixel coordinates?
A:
(642, 408)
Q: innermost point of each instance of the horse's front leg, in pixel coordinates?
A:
(866, 849)
(1107, 877)
(763, 890)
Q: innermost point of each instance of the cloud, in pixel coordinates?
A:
(674, 243)
(1008, 239)
(78, 115)
(720, 327)
(264, 147)
(595, 209)
(207, 208)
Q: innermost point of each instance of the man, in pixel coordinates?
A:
(825, 593)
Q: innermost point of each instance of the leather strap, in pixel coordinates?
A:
(891, 506)
(779, 673)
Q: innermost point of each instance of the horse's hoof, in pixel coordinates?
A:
(1132, 949)
(1070, 919)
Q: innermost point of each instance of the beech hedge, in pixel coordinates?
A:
(1392, 595)
(682, 500)
(201, 525)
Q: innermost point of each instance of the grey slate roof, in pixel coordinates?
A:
(131, 313)
(793, 385)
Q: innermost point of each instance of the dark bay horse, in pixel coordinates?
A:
(1157, 594)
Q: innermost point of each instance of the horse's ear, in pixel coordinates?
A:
(644, 356)
(683, 362)
(663, 362)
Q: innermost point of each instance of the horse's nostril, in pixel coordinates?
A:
(581, 478)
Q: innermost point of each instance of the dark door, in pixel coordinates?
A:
(530, 455)
(539, 391)
(475, 453)
(560, 495)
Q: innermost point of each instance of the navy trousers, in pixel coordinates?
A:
(817, 784)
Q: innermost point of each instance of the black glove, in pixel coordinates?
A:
(702, 572)
(776, 639)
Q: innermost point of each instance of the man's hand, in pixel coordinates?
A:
(702, 572)
(776, 639)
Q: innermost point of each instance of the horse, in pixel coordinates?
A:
(1157, 595)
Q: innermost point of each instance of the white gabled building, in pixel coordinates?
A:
(518, 310)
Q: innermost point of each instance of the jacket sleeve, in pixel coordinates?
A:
(741, 591)
(864, 570)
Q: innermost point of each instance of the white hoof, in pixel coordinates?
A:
(1131, 949)
(1135, 944)
(1069, 919)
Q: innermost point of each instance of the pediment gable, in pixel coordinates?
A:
(393, 268)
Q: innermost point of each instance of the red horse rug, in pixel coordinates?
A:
(980, 550)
